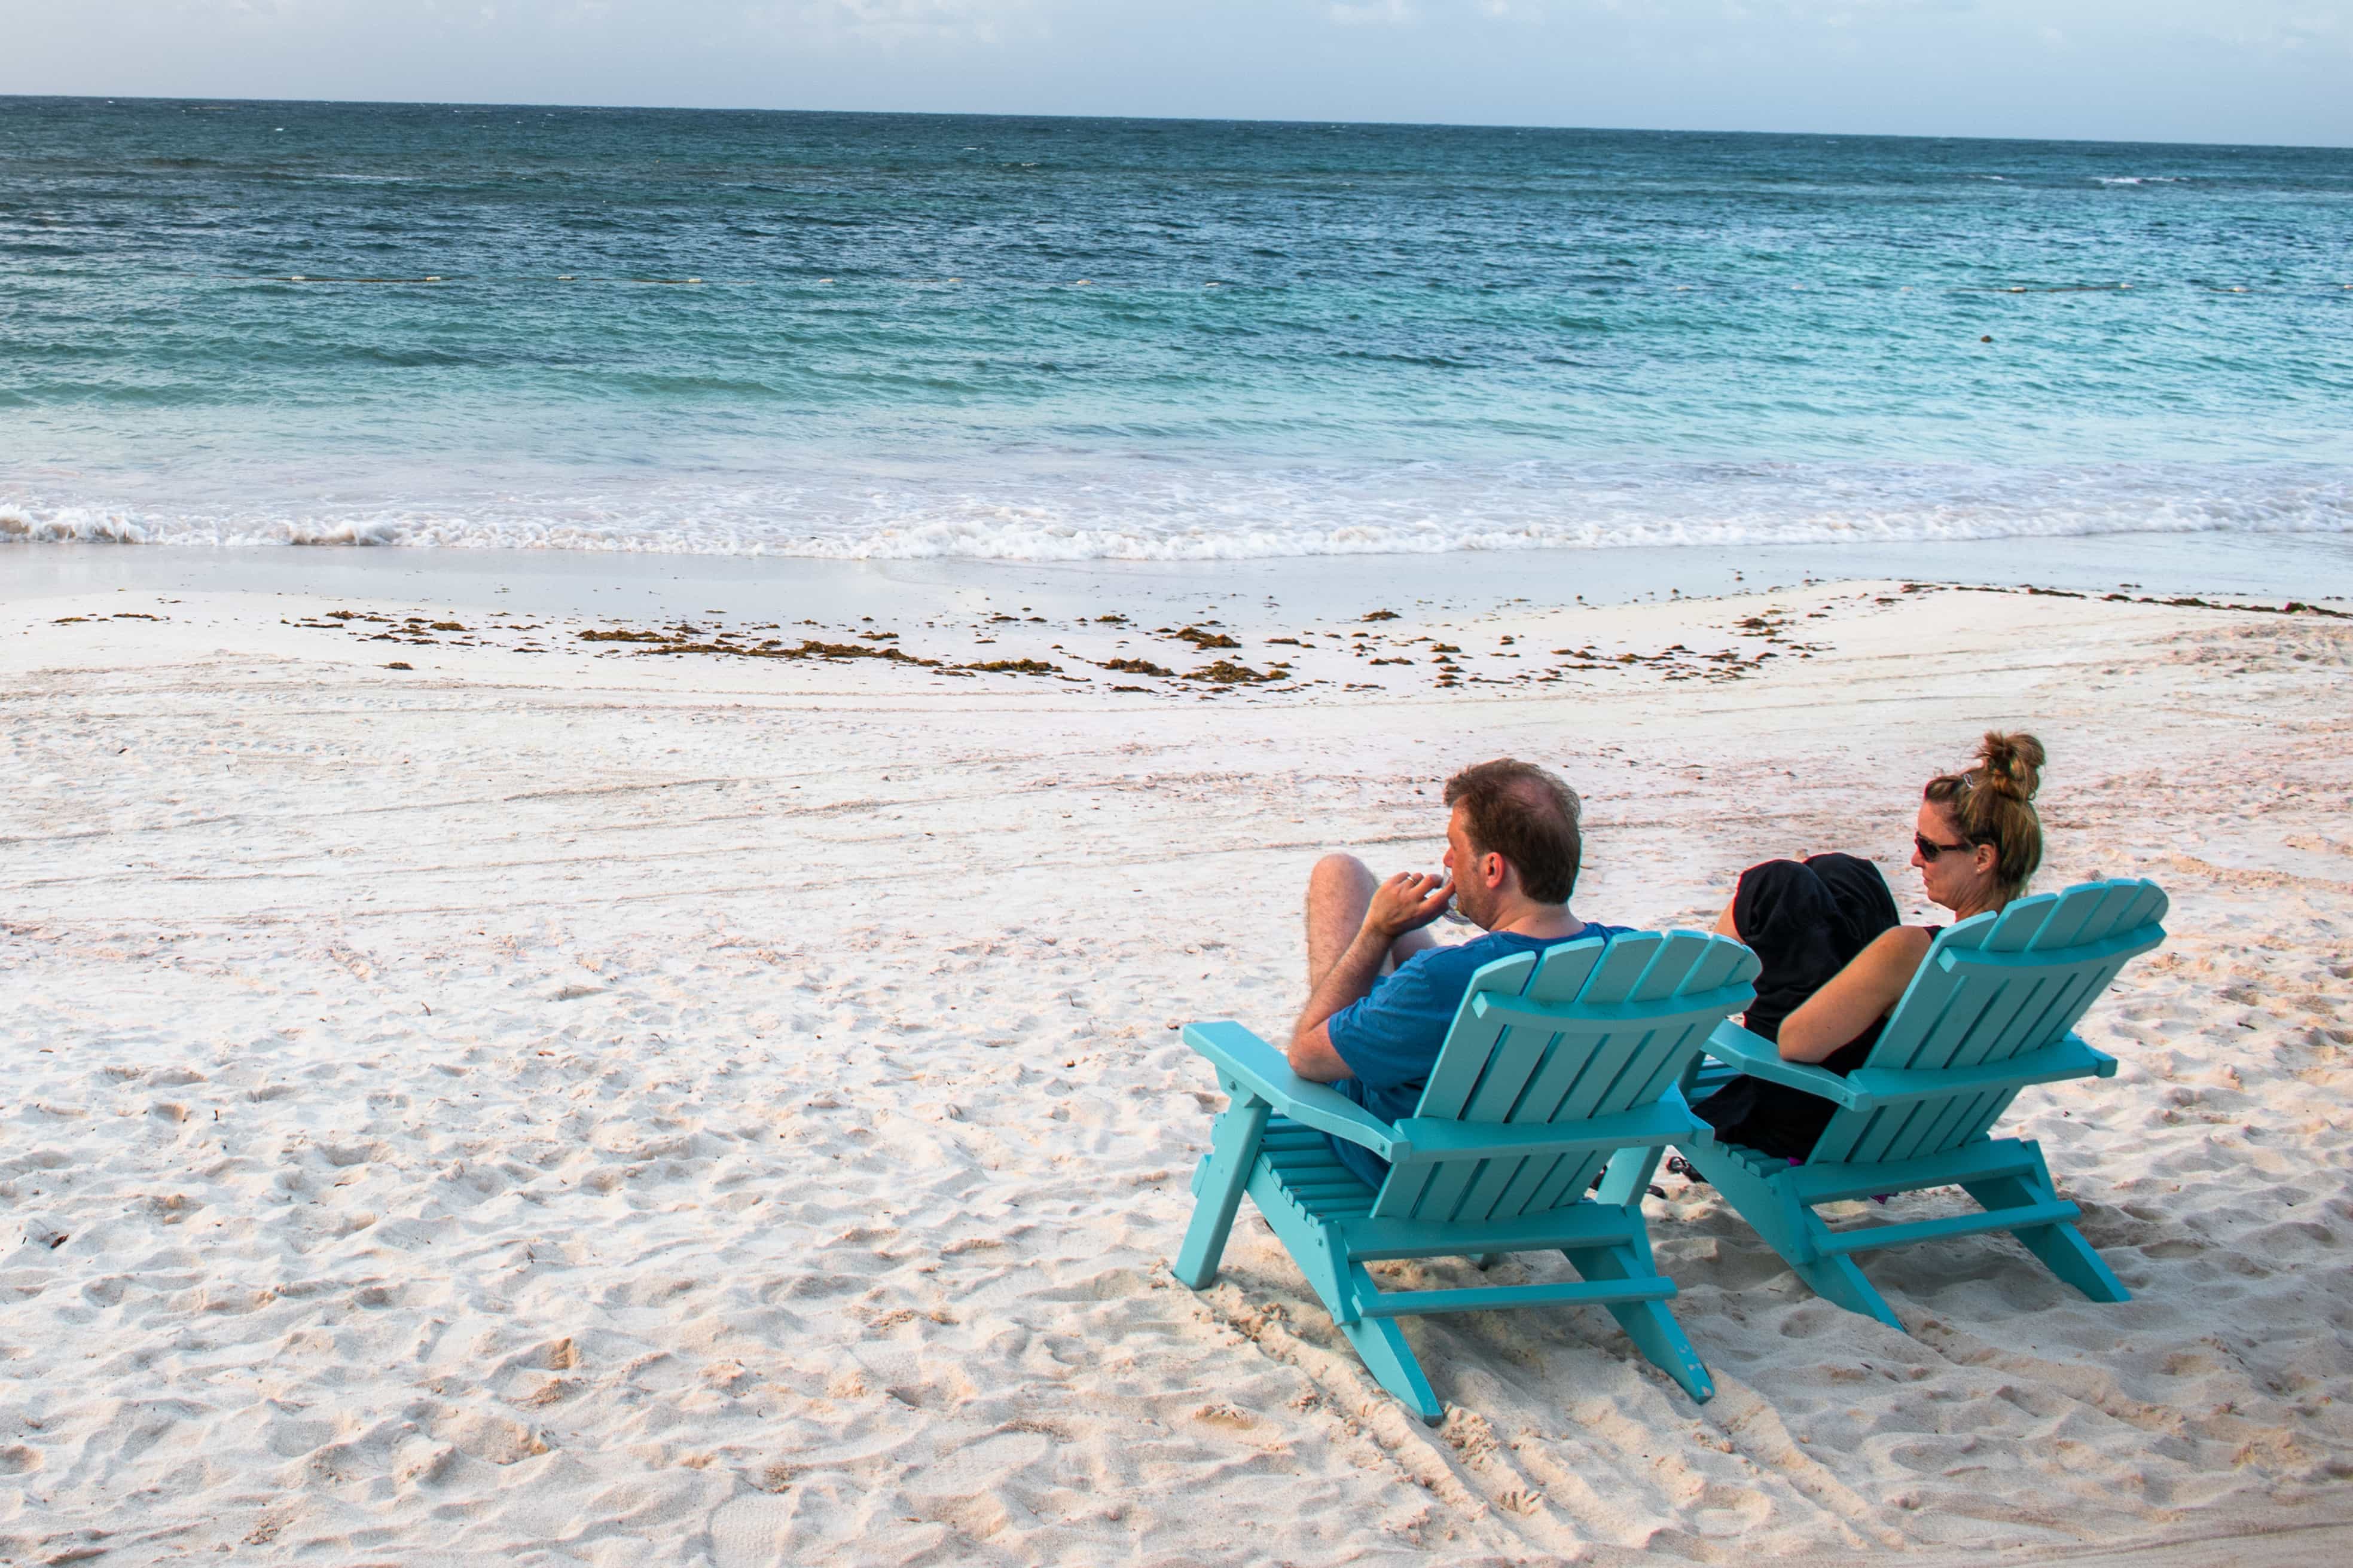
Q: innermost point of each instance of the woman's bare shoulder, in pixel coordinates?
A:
(1907, 943)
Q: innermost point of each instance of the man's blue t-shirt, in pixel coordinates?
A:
(1390, 1039)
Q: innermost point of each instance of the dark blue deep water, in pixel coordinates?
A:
(896, 335)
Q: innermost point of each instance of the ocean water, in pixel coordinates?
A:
(901, 336)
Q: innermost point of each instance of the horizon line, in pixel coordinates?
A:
(1160, 118)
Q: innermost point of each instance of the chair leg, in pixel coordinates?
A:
(2060, 1247)
(1625, 1182)
(1788, 1227)
(1628, 1176)
(1649, 1324)
(1389, 1359)
(1225, 1171)
(1835, 1278)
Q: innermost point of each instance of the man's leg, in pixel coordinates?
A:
(1339, 891)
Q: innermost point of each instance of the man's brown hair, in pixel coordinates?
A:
(1525, 813)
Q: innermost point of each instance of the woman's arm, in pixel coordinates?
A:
(1855, 997)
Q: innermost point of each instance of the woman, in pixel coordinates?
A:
(1836, 959)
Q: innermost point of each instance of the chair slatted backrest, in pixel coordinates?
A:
(1590, 1027)
(1993, 987)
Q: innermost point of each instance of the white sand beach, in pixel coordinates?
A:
(570, 1102)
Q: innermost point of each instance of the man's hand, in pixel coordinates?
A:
(1407, 901)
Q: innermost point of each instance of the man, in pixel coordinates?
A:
(1512, 849)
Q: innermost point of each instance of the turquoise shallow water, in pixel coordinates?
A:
(906, 336)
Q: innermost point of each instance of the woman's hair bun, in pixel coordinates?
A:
(2011, 765)
(1993, 802)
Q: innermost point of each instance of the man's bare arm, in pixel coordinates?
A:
(1406, 901)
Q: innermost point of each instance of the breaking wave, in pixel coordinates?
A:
(1405, 509)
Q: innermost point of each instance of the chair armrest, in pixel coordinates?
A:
(2071, 1057)
(1759, 1058)
(1437, 1138)
(1249, 1065)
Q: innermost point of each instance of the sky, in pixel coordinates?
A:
(2163, 70)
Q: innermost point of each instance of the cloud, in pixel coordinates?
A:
(1374, 13)
(894, 21)
(2253, 70)
(1405, 14)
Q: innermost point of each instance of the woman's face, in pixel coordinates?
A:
(1960, 878)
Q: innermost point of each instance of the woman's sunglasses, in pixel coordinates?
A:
(1929, 848)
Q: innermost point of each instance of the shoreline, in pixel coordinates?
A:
(985, 633)
(546, 1105)
(2284, 566)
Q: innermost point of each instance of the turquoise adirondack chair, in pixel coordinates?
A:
(1554, 1063)
(1990, 1013)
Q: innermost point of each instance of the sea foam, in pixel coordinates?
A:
(1409, 509)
